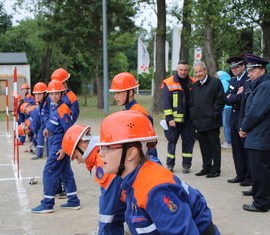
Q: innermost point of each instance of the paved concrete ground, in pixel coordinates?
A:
(18, 197)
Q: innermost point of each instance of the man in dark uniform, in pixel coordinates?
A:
(256, 128)
(175, 95)
(233, 97)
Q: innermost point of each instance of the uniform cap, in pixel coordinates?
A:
(254, 61)
(234, 61)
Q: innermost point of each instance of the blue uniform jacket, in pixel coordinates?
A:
(160, 203)
(257, 115)
(70, 99)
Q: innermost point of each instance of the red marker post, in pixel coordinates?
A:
(16, 144)
(7, 115)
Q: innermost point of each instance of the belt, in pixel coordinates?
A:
(52, 133)
(210, 230)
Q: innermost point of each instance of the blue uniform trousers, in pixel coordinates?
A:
(52, 172)
(40, 143)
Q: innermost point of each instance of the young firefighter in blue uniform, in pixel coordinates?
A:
(79, 144)
(123, 85)
(27, 96)
(40, 92)
(31, 113)
(69, 97)
(58, 163)
(157, 201)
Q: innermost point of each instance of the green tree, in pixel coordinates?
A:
(5, 20)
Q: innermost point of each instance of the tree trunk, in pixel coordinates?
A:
(208, 50)
(47, 63)
(99, 82)
(186, 32)
(160, 55)
(266, 35)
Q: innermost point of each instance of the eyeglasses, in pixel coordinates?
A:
(106, 149)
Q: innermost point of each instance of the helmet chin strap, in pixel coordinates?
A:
(121, 167)
(127, 98)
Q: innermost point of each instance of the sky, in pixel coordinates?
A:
(147, 19)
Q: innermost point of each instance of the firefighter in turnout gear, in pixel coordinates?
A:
(175, 95)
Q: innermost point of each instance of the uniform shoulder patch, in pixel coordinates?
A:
(72, 97)
(63, 109)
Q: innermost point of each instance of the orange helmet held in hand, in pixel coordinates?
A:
(60, 75)
(40, 87)
(123, 82)
(126, 127)
(25, 86)
(55, 86)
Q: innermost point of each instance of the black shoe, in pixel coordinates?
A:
(248, 193)
(170, 168)
(36, 158)
(186, 170)
(245, 183)
(252, 208)
(235, 180)
(202, 172)
(213, 175)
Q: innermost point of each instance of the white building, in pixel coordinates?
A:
(8, 62)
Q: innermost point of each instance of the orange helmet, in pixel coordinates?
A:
(40, 87)
(60, 75)
(55, 86)
(72, 137)
(123, 82)
(20, 130)
(25, 86)
(27, 122)
(125, 127)
(23, 107)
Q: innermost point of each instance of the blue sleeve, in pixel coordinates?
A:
(173, 215)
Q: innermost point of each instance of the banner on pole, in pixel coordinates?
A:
(176, 45)
(197, 54)
(143, 58)
(166, 56)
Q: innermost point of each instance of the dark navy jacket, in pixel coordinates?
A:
(257, 115)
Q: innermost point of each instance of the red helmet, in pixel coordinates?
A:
(125, 127)
(55, 86)
(40, 87)
(25, 86)
(23, 107)
(72, 137)
(60, 75)
(123, 82)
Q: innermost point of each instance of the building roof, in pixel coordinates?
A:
(13, 58)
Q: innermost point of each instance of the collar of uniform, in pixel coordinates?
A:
(204, 80)
(130, 104)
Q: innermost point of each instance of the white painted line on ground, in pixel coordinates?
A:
(23, 201)
(5, 164)
(22, 178)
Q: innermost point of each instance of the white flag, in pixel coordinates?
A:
(143, 58)
(176, 45)
(166, 55)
